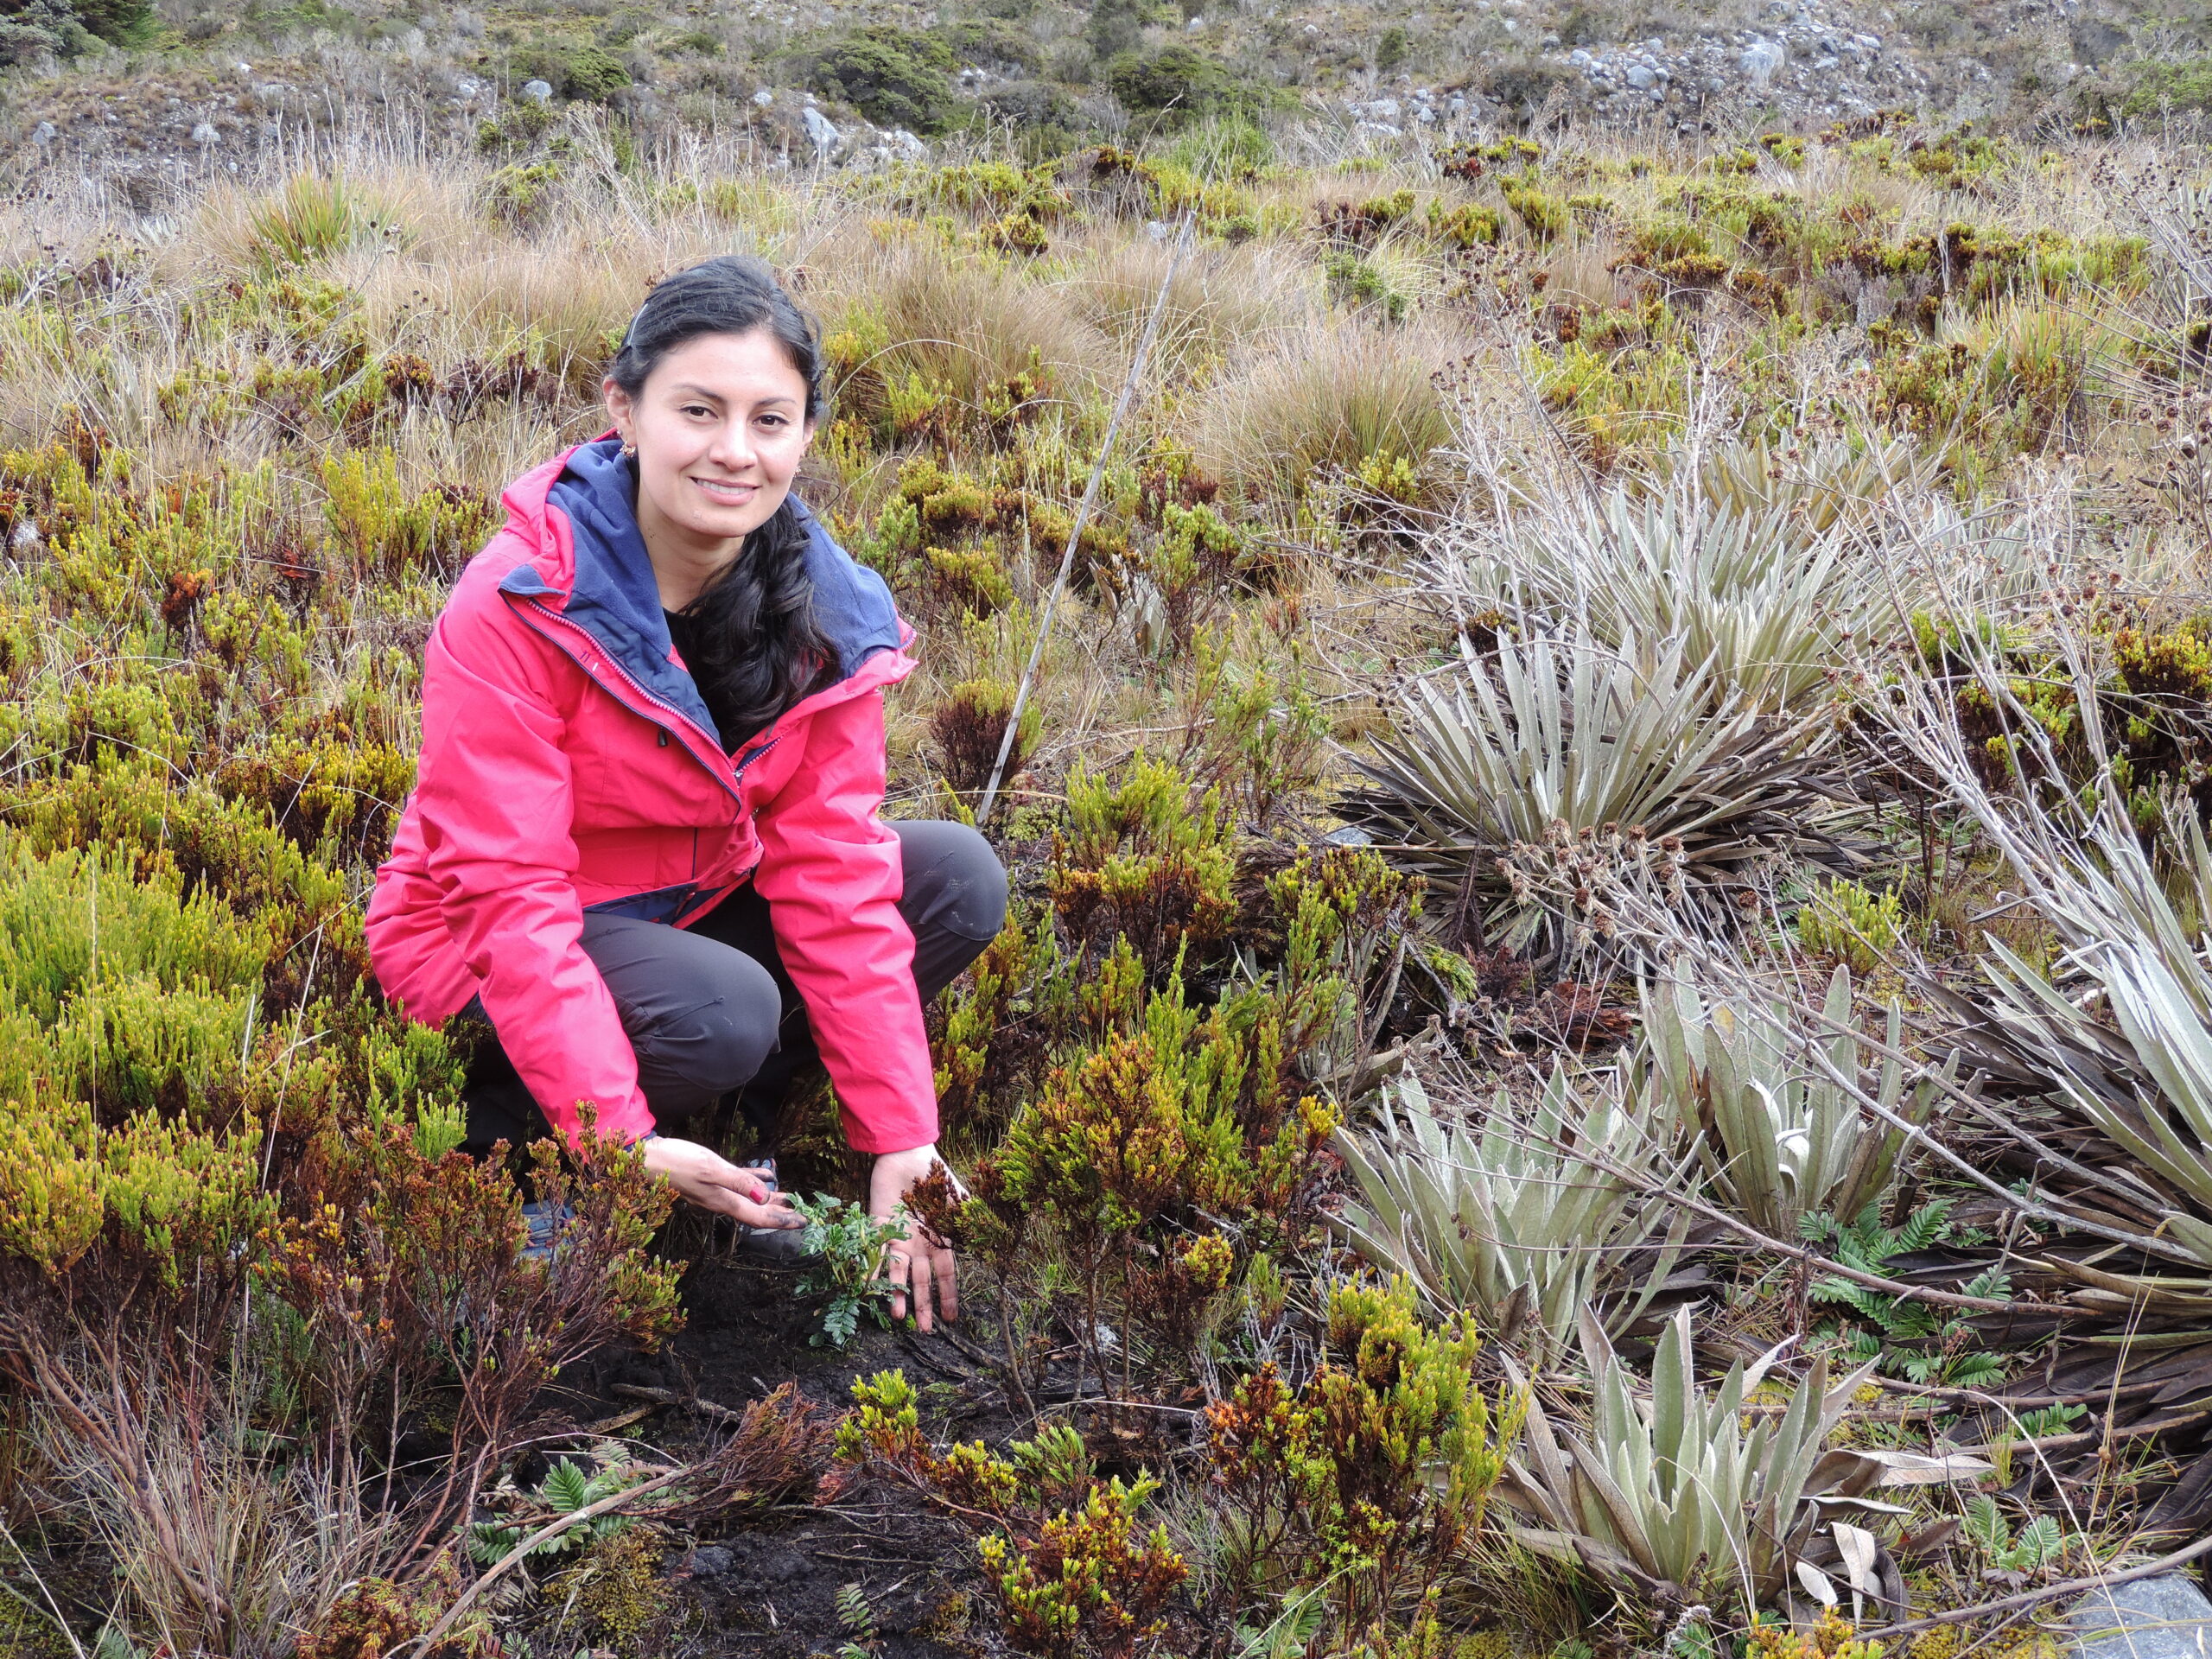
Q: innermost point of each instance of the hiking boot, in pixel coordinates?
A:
(545, 1222)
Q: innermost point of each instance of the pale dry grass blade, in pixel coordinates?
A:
(1331, 395)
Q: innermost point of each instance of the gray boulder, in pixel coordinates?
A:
(538, 92)
(2164, 1617)
(821, 129)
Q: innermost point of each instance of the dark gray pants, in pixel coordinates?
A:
(711, 1011)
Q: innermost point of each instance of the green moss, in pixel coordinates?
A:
(971, 577)
(520, 194)
(617, 1590)
(1542, 217)
(1842, 921)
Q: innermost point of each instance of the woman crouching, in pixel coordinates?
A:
(643, 841)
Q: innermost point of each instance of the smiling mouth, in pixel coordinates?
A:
(727, 492)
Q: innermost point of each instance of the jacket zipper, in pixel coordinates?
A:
(743, 761)
(728, 784)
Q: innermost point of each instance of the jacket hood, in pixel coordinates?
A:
(593, 566)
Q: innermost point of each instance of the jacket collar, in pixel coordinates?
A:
(592, 566)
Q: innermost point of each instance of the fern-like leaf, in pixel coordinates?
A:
(1985, 1524)
(1991, 1283)
(1922, 1228)
(2040, 1543)
(854, 1613)
(1975, 1371)
(567, 1488)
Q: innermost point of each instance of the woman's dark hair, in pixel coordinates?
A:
(750, 636)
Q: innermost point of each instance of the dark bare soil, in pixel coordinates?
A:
(767, 1584)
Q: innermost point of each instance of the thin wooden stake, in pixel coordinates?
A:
(1083, 515)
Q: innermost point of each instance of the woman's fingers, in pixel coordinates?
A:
(897, 1265)
(702, 1174)
(731, 1192)
(921, 1272)
(775, 1212)
(941, 1277)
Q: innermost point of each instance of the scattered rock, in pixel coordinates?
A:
(779, 1566)
(708, 1561)
(538, 92)
(763, 97)
(205, 134)
(1761, 60)
(2164, 1617)
(43, 133)
(822, 129)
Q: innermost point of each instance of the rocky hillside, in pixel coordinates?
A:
(142, 101)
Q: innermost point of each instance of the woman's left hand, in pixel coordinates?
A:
(919, 1263)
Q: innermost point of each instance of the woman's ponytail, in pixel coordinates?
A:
(755, 646)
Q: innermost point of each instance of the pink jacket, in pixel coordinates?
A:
(568, 762)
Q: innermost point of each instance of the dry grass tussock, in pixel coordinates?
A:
(1331, 394)
(220, 1543)
(1220, 297)
(967, 328)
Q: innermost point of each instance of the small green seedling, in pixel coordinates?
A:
(567, 1488)
(859, 1620)
(845, 1246)
(2039, 1544)
(1908, 1339)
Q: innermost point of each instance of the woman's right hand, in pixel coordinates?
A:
(712, 1182)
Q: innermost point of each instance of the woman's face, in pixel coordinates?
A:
(720, 426)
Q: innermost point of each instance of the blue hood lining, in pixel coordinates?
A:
(614, 598)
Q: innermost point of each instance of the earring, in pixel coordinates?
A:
(629, 446)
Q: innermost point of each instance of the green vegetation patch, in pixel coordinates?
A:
(895, 77)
